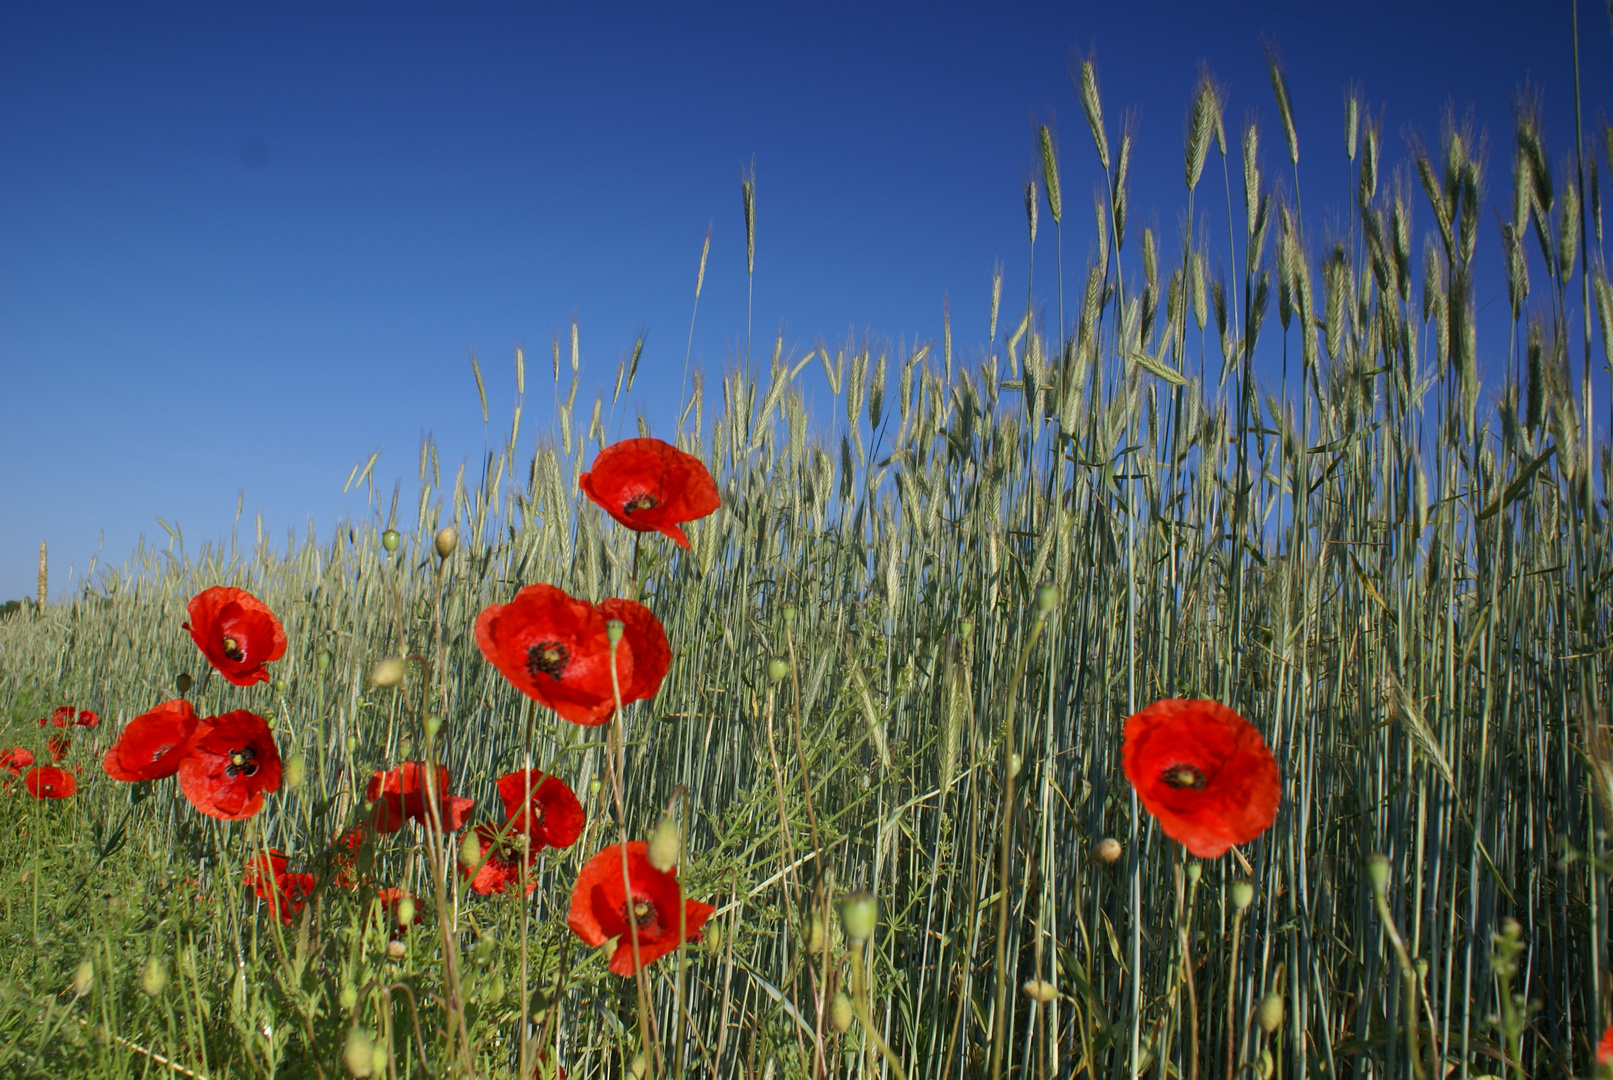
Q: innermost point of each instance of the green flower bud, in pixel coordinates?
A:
(1107, 851)
(182, 683)
(594, 786)
(388, 673)
(153, 977)
(1271, 1012)
(349, 997)
(352, 744)
(390, 540)
(405, 746)
(359, 1053)
(296, 771)
(840, 1012)
(814, 934)
(711, 939)
(324, 660)
(1015, 764)
(1047, 598)
(1243, 894)
(1263, 1066)
(639, 1066)
(470, 849)
(83, 977)
(280, 687)
(1041, 991)
(432, 724)
(447, 541)
(859, 913)
(666, 841)
(405, 911)
(1378, 872)
(777, 668)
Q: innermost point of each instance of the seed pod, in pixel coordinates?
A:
(1243, 894)
(182, 683)
(777, 668)
(390, 540)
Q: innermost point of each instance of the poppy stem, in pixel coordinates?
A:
(859, 1000)
(618, 754)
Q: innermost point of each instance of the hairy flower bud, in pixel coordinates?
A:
(859, 913)
(447, 541)
(665, 844)
(1107, 851)
(388, 673)
(840, 1012)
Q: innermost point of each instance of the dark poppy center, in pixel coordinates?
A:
(549, 658)
(1185, 777)
(640, 502)
(642, 912)
(243, 762)
(233, 650)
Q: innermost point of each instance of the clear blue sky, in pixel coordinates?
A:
(241, 246)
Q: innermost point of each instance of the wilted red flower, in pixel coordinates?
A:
(236, 632)
(651, 486)
(556, 650)
(499, 853)
(1204, 772)
(1604, 1048)
(551, 815)
(602, 904)
(58, 745)
(344, 858)
(16, 760)
(153, 744)
(286, 893)
(400, 795)
(86, 718)
(232, 760)
(49, 782)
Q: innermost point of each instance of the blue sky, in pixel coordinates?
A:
(242, 247)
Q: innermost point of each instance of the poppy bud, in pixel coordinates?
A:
(1047, 598)
(395, 950)
(324, 660)
(665, 843)
(1015, 763)
(348, 997)
(405, 746)
(352, 744)
(1271, 1012)
(447, 540)
(638, 1068)
(470, 851)
(433, 724)
(1107, 851)
(280, 687)
(814, 933)
(859, 913)
(390, 540)
(388, 673)
(711, 939)
(296, 771)
(153, 977)
(789, 614)
(840, 1012)
(1263, 1065)
(182, 683)
(1378, 872)
(593, 787)
(1243, 894)
(1041, 991)
(83, 977)
(614, 629)
(777, 668)
(359, 1053)
(405, 912)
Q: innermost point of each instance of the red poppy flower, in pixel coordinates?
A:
(1204, 772)
(58, 745)
(388, 899)
(153, 744)
(1604, 1048)
(86, 718)
(500, 855)
(49, 782)
(551, 816)
(236, 633)
(286, 893)
(602, 903)
(231, 762)
(556, 650)
(62, 717)
(400, 795)
(651, 486)
(542, 1070)
(344, 858)
(16, 760)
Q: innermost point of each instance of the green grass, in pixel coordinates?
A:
(1401, 577)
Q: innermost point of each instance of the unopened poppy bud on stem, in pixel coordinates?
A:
(154, 977)
(406, 911)
(1271, 1012)
(83, 977)
(665, 844)
(433, 724)
(859, 913)
(388, 673)
(470, 850)
(1041, 991)
(777, 668)
(814, 934)
(447, 541)
(840, 1012)
(296, 772)
(359, 1053)
(1243, 894)
(1107, 851)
